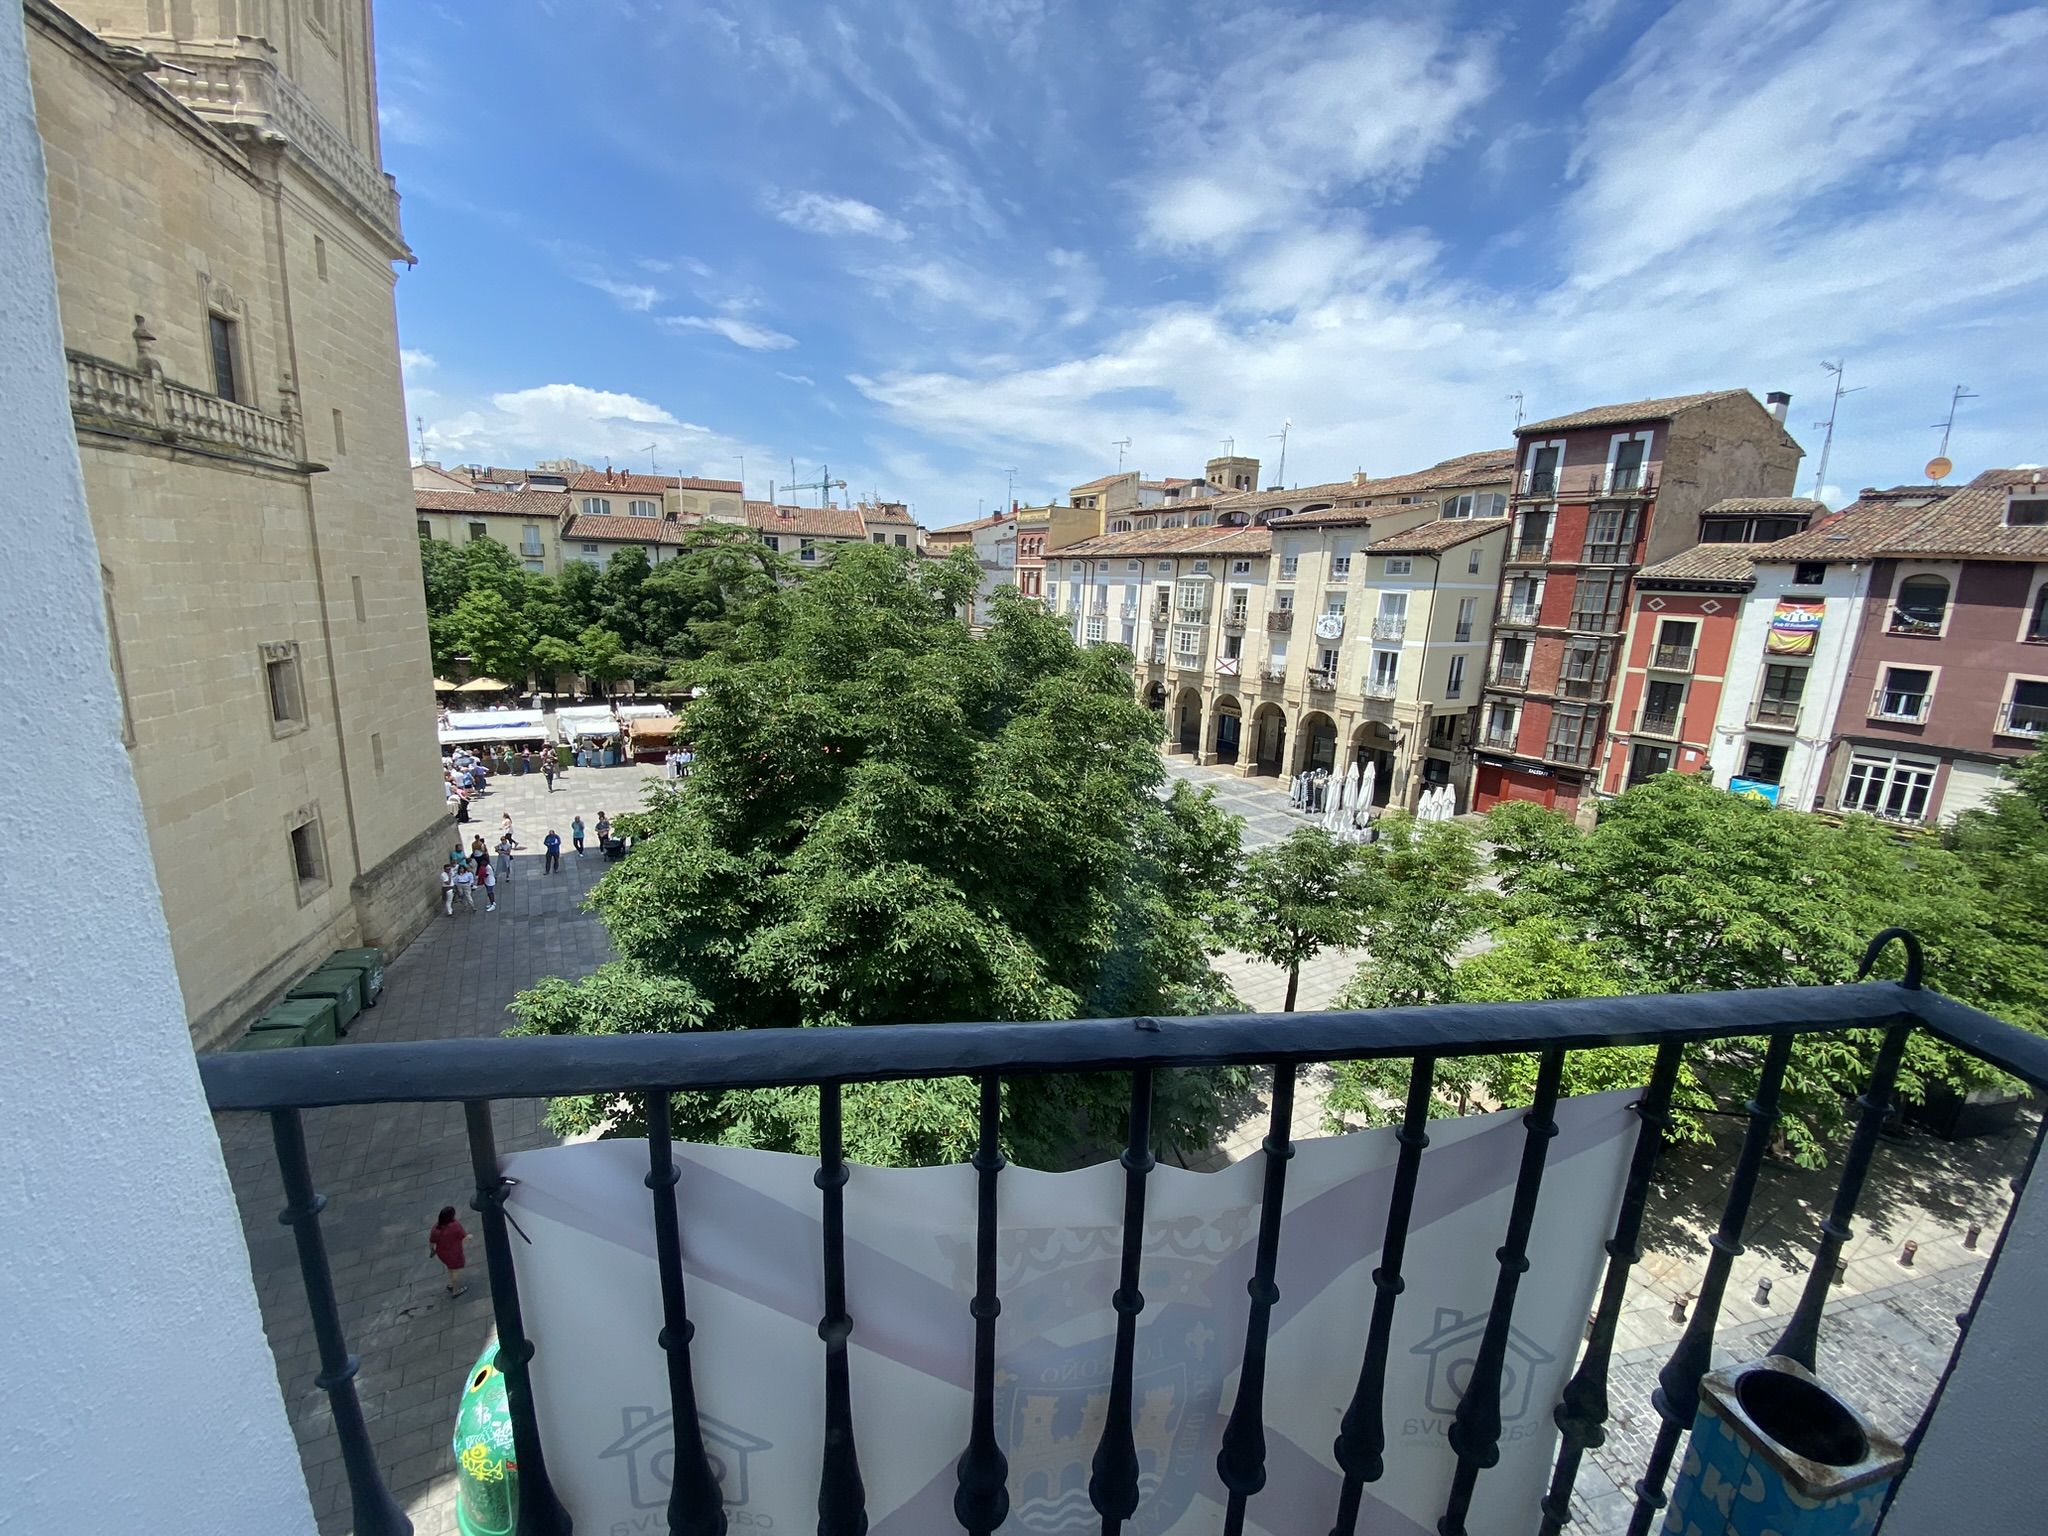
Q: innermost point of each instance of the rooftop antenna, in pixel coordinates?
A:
(1285, 427)
(1827, 443)
(419, 426)
(652, 467)
(1230, 447)
(1013, 490)
(1122, 446)
(1939, 466)
(1517, 398)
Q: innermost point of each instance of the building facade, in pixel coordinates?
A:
(528, 523)
(1034, 526)
(1597, 495)
(889, 523)
(808, 535)
(224, 238)
(993, 541)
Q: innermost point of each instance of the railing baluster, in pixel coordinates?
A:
(1677, 1396)
(540, 1512)
(1475, 1427)
(376, 1512)
(982, 1501)
(1241, 1463)
(842, 1500)
(696, 1504)
(1581, 1412)
(1113, 1480)
(1362, 1435)
(1802, 1335)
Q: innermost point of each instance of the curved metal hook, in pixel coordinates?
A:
(1910, 940)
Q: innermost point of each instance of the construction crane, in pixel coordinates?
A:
(824, 485)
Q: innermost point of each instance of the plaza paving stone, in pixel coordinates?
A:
(386, 1169)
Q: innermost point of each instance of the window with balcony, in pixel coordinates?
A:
(1596, 601)
(1384, 675)
(222, 343)
(1584, 668)
(1921, 606)
(1777, 699)
(1340, 567)
(1511, 663)
(1574, 734)
(1673, 650)
(1288, 565)
(1239, 607)
(1763, 762)
(1661, 704)
(2025, 711)
(1532, 537)
(1233, 647)
(1610, 537)
(1497, 728)
(643, 508)
(1391, 622)
(1454, 680)
(1895, 788)
(1468, 612)
(1326, 664)
(1904, 694)
(1543, 467)
(1522, 600)
(1626, 472)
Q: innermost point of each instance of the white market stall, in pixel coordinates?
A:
(493, 727)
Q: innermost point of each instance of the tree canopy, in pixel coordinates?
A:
(892, 819)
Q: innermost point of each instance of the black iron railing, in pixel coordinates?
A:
(476, 1073)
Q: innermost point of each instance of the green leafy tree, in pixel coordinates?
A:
(1296, 898)
(893, 820)
(692, 604)
(446, 577)
(552, 658)
(487, 628)
(600, 655)
(576, 591)
(618, 597)
(2002, 849)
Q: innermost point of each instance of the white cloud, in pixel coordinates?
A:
(575, 421)
(797, 378)
(823, 214)
(638, 297)
(414, 362)
(741, 333)
(938, 284)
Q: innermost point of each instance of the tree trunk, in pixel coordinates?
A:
(1293, 986)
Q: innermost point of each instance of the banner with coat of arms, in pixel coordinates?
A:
(750, 1224)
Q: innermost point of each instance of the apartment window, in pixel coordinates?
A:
(1174, 521)
(281, 684)
(1240, 604)
(1673, 649)
(1333, 602)
(1386, 670)
(1240, 567)
(902, 541)
(1399, 565)
(1532, 536)
(1454, 684)
(529, 541)
(478, 531)
(1777, 701)
(355, 592)
(1202, 566)
(1468, 611)
(1133, 567)
(1094, 631)
(1764, 762)
(1120, 525)
(1458, 506)
(320, 257)
(1524, 600)
(221, 339)
(1896, 788)
(2025, 511)
(1904, 694)
(773, 541)
(590, 551)
(1283, 602)
(1164, 565)
(1511, 663)
(426, 529)
(2026, 709)
(1596, 601)
(1627, 472)
(1326, 663)
(1443, 730)
(807, 549)
(1543, 464)
(1921, 606)
(596, 506)
(1472, 561)
(1610, 537)
(1661, 703)
(1500, 724)
(1340, 567)
(1288, 566)
(1809, 573)
(1233, 647)
(1584, 668)
(1573, 734)
(309, 857)
(1185, 641)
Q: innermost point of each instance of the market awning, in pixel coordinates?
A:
(442, 685)
(484, 685)
(586, 720)
(479, 727)
(652, 727)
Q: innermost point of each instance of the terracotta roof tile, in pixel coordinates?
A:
(1859, 531)
(1490, 466)
(622, 530)
(974, 526)
(1436, 536)
(1790, 506)
(1102, 480)
(547, 504)
(806, 522)
(1971, 522)
(1705, 562)
(1634, 410)
(1171, 541)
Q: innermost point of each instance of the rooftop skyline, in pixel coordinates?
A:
(928, 249)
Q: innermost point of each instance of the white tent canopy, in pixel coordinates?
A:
(587, 720)
(479, 727)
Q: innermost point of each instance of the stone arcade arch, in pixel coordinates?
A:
(1373, 742)
(1269, 740)
(1315, 742)
(1187, 722)
(1226, 730)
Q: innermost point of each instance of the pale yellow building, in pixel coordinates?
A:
(528, 523)
(224, 237)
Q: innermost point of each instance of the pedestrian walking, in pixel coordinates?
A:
(505, 825)
(488, 878)
(445, 1243)
(604, 830)
(505, 847)
(465, 887)
(476, 848)
(552, 864)
(576, 835)
(448, 887)
(547, 769)
(461, 806)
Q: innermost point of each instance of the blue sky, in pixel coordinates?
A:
(929, 243)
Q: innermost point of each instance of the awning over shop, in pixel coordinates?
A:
(651, 727)
(478, 727)
(586, 720)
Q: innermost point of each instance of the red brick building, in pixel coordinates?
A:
(1597, 495)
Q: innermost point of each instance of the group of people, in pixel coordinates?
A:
(477, 867)
(679, 761)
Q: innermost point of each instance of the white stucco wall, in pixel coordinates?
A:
(138, 1393)
(1975, 1468)
(1844, 588)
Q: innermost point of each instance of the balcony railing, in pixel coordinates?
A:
(1659, 724)
(1378, 688)
(1227, 666)
(2023, 719)
(106, 394)
(1127, 611)
(1914, 623)
(1511, 675)
(251, 91)
(1462, 633)
(1234, 621)
(1157, 655)
(1275, 672)
(1899, 704)
(287, 1086)
(1279, 621)
(1537, 482)
(1322, 682)
(1518, 613)
(1779, 714)
(1573, 754)
(1581, 687)
(1671, 658)
(1530, 551)
(1499, 741)
(1389, 629)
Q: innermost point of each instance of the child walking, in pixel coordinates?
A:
(446, 1242)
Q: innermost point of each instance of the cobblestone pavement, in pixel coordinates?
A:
(386, 1169)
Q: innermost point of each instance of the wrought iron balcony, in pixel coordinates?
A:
(1127, 611)
(1658, 724)
(1537, 482)
(1671, 658)
(108, 396)
(1322, 682)
(1376, 688)
(2017, 719)
(1389, 629)
(1279, 621)
(289, 1086)
(1511, 675)
(1518, 613)
(1499, 741)
(1234, 621)
(1905, 705)
(1529, 551)
(1916, 621)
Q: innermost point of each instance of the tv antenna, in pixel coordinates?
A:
(1012, 500)
(1827, 443)
(1939, 466)
(1122, 446)
(652, 467)
(1230, 447)
(1286, 427)
(419, 426)
(1517, 398)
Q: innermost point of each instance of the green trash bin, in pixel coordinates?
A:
(345, 987)
(313, 1017)
(269, 1040)
(370, 962)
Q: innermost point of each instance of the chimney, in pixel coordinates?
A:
(1358, 477)
(1777, 402)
